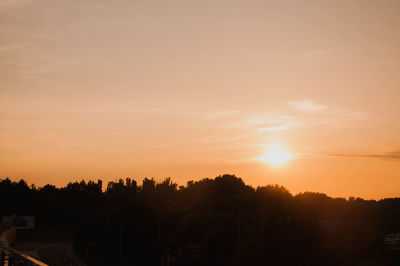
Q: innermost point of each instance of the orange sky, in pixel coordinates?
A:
(192, 89)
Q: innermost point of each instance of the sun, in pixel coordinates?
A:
(276, 155)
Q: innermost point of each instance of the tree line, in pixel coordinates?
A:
(219, 221)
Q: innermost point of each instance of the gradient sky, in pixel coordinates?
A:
(192, 89)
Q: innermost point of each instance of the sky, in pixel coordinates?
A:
(192, 89)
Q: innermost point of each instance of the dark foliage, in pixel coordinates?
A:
(219, 221)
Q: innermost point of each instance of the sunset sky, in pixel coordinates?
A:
(193, 89)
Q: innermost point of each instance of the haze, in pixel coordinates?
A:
(193, 89)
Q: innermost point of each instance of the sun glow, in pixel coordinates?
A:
(276, 155)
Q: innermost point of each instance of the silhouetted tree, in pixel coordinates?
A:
(220, 221)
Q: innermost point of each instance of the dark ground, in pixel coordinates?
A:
(54, 249)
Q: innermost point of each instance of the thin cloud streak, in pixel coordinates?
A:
(394, 155)
(274, 128)
(311, 114)
(307, 105)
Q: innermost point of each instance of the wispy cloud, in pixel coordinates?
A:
(346, 113)
(393, 155)
(274, 128)
(307, 105)
(224, 113)
(247, 131)
(264, 122)
(311, 114)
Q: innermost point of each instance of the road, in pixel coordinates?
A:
(52, 253)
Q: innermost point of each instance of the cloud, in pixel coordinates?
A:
(393, 155)
(311, 114)
(314, 114)
(274, 128)
(224, 113)
(264, 121)
(307, 105)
